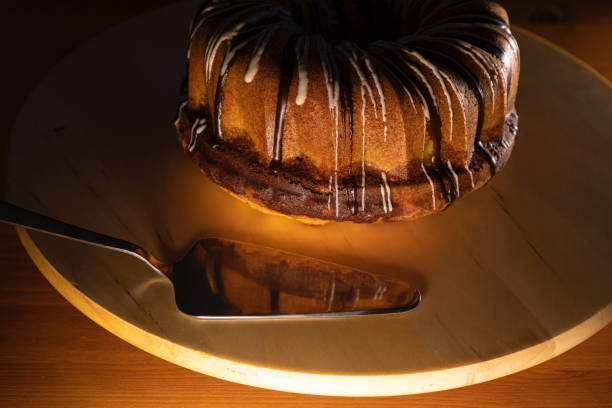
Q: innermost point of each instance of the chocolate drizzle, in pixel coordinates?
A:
(474, 85)
(219, 103)
(347, 108)
(434, 125)
(416, 47)
(476, 19)
(288, 63)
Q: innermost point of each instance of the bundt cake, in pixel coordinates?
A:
(361, 110)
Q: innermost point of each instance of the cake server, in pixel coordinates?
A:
(220, 278)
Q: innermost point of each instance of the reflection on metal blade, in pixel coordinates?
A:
(230, 278)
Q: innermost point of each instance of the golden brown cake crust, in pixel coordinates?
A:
(322, 128)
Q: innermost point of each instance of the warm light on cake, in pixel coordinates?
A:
(334, 110)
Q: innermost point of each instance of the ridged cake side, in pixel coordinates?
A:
(312, 109)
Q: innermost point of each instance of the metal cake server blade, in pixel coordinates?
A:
(220, 278)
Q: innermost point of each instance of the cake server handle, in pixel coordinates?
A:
(21, 217)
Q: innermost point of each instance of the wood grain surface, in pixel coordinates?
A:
(48, 362)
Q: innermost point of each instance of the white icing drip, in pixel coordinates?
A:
(424, 80)
(302, 86)
(336, 93)
(330, 193)
(302, 59)
(229, 55)
(363, 174)
(455, 177)
(425, 108)
(384, 199)
(196, 28)
(180, 110)
(383, 105)
(331, 84)
(480, 58)
(388, 191)
(364, 82)
(202, 127)
(331, 295)
(196, 130)
(433, 189)
(380, 292)
(448, 97)
(424, 104)
(253, 66)
(192, 135)
(438, 75)
(336, 164)
(470, 173)
(336, 194)
(210, 60)
(425, 119)
(213, 45)
(356, 300)
(333, 93)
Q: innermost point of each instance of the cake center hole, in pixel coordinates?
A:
(359, 21)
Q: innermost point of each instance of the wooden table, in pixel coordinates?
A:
(53, 356)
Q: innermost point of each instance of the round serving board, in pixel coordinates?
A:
(511, 275)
